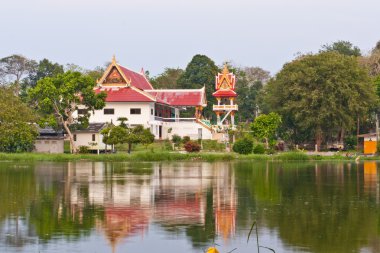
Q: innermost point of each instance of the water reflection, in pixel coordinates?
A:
(302, 207)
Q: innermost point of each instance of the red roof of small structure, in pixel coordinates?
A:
(124, 94)
(179, 97)
(138, 80)
(224, 93)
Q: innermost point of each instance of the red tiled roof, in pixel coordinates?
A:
(224, 93)
(138, 80)
(124, 94)
(178, 97)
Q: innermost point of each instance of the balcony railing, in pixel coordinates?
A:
(174, 119)
(225, 107)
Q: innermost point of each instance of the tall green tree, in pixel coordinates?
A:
(60, 97)
(265, 126)
(342, 47)
(201, 71)
(17, 133)
(168, 79)
(321, 94)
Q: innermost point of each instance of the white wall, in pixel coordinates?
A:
(84, 139)
(185, 129)
(122, 109)
(49, 146)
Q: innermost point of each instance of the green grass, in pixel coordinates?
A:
(149, 156)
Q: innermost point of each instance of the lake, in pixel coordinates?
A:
(188, 206)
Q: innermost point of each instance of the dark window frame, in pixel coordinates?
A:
(82, 111)
(135, 111)
(93, 137)
(109, 111)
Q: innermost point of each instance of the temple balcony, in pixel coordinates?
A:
(225, 107)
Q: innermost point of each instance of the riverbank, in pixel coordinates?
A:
(148, 156)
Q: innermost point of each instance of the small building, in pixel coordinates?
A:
(50, 141)
(90, 137)
(369, 143)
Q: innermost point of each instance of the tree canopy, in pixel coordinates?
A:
(265, 126)
(17, 133)
(321, 94)
(168, 79)
(201, 71)
(342, 47)
(58, 98)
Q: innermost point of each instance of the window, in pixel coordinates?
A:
(109, 111)
(82, 111)
(135, 111)
(75, 137)
(93, 137)
(151, 111)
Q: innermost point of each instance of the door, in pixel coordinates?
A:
(160, 132)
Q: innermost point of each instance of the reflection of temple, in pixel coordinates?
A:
(225, 203)
(171, 196)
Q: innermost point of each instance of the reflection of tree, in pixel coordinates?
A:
(323, 207)
(17, 188)
(51, 214)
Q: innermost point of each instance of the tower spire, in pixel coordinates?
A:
(114, 59)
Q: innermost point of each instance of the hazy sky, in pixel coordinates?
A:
(167, 33)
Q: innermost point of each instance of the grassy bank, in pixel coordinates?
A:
(173, 156)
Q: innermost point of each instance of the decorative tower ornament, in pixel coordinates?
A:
(225, 95)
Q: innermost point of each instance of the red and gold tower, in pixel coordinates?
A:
(225, 95)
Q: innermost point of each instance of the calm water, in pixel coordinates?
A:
(186, 207)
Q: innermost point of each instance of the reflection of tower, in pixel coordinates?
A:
(370, 176)
(225, 95)
(225, 202)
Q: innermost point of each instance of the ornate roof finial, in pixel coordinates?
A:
(225, 69)
(114, 59)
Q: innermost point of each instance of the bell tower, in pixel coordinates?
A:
(225, 95)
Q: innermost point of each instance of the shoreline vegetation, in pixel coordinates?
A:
(148, 156)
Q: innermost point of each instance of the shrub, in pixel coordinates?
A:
(259, 149)
(213, 145)
(176, 139)
(83, 150)
(192, 146)
(185, 139)
(243, 146)
(167, 145)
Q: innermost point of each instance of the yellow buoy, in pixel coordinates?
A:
(212, 250)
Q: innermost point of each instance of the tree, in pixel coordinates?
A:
(121, 134)
(265, 126)
(321, 95)
(60, 96)
(44, 68)
(17, 133)
(201, 71)
(256, 74)
(168, 79)
(372, 61)
(13, 68)
(342, 47)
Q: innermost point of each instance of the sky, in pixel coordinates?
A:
(156, 34)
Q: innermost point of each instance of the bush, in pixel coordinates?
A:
(243, 146)
(83, 150)
(213, 145)
(185, 139)
(167, 145)
(259, 149)
(192, 146)
(176, 139)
